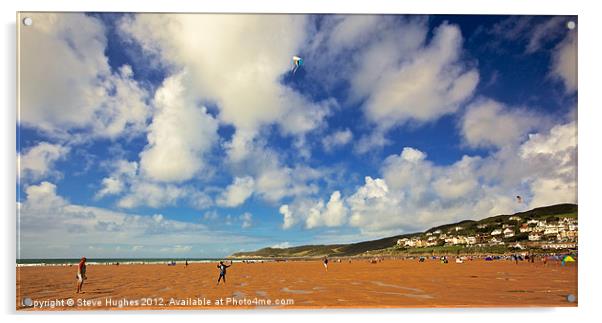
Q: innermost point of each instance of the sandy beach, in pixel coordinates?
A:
(300, 284)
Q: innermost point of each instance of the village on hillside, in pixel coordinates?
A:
(547, 234)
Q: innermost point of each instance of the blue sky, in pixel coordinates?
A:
(189, 136)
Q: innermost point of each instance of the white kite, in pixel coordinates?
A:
(297, 62)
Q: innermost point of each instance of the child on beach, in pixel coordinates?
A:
(222, 271)
(81, 274)
(326, 263)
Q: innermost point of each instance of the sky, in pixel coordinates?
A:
(189, 135)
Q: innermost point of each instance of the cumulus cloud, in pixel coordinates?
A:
(288, 218)
(392, 69)
(179, 135)
(77, 92)
(413, 193)
(123, 172)
(70, 230)
(144, 193)
(275, 184)
(422, 86)
(488, 123)
(237, 192)
(333, 214)
(240, 51)
(37, 162)
(564, 62)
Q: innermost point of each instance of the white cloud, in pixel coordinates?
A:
(393, 69)
(282, 245)
(488, 123)
(142, 193)
(414, 193)
(237, 192)
(288, 218)
(77, 90)
(51, 225)
(554, 154)
(236, 61)
(337, 139)
(38, 161)
(564, 62)
(246, 219)
(275, 184)
(544, 32)
(176, 249)
(332, 215)
(123, 172)
(179, 135)
(374, 141)
(419, 82)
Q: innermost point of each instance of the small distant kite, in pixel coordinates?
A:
(519, 199)
(297, 62)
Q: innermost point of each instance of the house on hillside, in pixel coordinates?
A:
(402, 242)
(496, 232)
(495, 241)
(525, 228)
(417, 243)
(471, 240)
(458, 228)
(550, 230)
(533, 236)
(515, 218)
(437, 232)
(508, 233)
(482, 226)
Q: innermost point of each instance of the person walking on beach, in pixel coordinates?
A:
(222, 271)
(81, 274)
(325, 263)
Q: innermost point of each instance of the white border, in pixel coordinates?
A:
(589, 158)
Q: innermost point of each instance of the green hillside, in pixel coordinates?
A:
(377, 246)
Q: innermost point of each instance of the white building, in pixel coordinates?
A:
(508, 233)
(496, 232)
(534, 236)
(401, 242)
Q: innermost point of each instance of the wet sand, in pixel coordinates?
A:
(301, 284)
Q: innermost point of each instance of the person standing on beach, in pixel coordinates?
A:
(81, 274)
(326, 263)
(222, 271)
